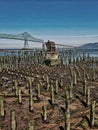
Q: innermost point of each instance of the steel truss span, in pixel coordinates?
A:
(23, 36)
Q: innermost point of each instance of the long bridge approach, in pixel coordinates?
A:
(23, 36)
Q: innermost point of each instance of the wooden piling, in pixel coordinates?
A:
(67, 120)
(30, 126)
(88, 96)
(92, 113)
(2, 106)
(13, 120)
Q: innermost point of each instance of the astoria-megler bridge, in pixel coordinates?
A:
(23, 36)
(27, 37)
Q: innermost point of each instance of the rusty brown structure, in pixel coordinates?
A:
(51, 55)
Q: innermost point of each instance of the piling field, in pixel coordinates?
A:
(34, 96)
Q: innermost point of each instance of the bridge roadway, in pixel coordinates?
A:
(27, 37)
(23, 36)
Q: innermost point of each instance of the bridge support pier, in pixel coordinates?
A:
(26, 46)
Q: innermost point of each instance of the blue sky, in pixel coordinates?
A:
(64, 21)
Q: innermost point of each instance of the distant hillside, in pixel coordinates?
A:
(90, 46)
